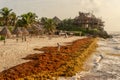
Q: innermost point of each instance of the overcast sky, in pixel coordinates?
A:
(108, 10)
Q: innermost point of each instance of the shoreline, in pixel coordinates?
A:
(107, 68)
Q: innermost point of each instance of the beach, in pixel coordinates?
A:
(12, 52)
(104, 63)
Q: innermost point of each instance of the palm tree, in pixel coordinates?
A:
(49, 26)
(1, 21)
(13, 19)
(26, 20)
(5, 12)
(32, 17)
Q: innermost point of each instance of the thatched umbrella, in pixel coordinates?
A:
(37, 29)
(24, 33)
(17, 31)
(6, 32)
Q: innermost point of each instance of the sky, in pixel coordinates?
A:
(107, 10)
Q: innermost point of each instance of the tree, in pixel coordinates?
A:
(26, 20)
(67, 25)
(5, 12)
(49, 26)
(13, 19)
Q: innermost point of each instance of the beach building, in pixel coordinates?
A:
(88, 21)
(56, 20)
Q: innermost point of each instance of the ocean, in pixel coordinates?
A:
(104, 63)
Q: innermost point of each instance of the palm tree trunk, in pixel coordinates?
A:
(6, 21)
(5, 40)
(22, 38)
(25, 38)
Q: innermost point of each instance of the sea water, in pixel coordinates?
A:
(109, 66)
(105, 62)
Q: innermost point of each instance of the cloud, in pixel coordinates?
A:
(91, 5)
(108, 9)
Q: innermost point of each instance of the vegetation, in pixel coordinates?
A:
(86, 24)
(53, 63)
(49, 25)
(2, 38)
(8, 18)
(26, 20)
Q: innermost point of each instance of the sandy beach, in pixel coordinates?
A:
(102, 65)
(12, 52)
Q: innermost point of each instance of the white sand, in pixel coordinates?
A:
(11, 53)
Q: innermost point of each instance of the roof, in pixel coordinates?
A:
(56, 19)
(24, 31)
(17, 31)
(5, 32)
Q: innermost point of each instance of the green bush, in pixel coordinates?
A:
(77, 34)
(2, 38)
(83, 34)
(10, 28)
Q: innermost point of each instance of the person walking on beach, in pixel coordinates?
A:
(100, 57)
(58, 47)
(16, 39)
(66, 36)
(4, 42)
(22, 38)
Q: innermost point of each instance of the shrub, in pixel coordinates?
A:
(77, 34)
(83, 34)
(2, 38)
(10, 28)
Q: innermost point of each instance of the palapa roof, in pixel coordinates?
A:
(87, 18)
(36, 29)
(5, 32)
(17, 31)
(57, 20)
(24, 31)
